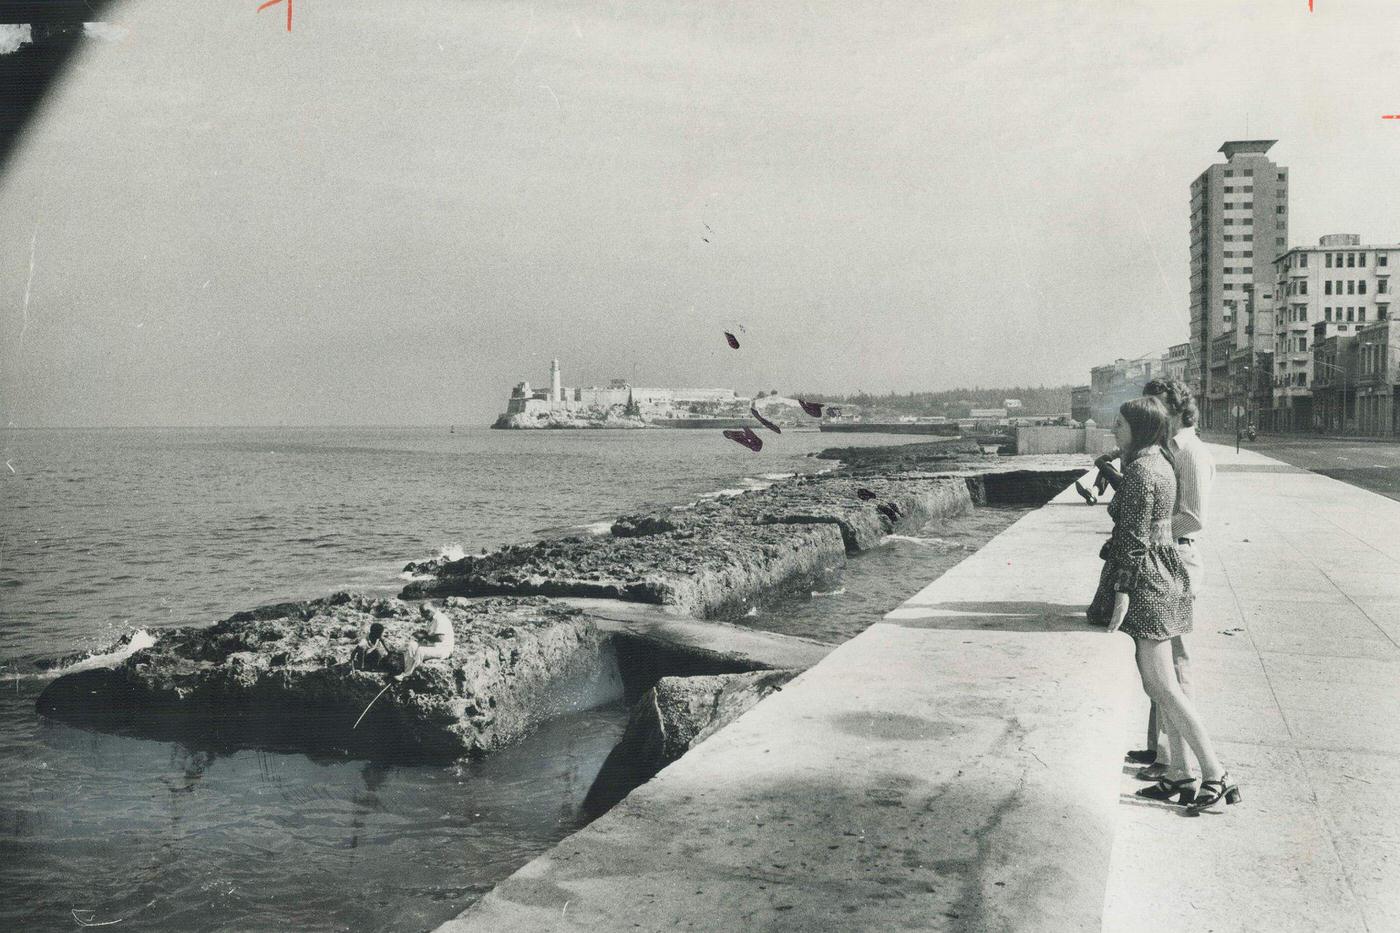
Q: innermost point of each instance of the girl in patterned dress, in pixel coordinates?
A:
(1144, 589)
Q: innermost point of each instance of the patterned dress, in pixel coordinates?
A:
(1141, 558)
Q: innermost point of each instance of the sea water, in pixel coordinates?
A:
(108, 532)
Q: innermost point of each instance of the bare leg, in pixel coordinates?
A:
(1152, 731)
(411, 657)
(1154, 659)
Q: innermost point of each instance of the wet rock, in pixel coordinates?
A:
(279, 676)
(699, 569)
(670, 719)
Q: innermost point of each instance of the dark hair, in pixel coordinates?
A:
(376, 631)
(1149, 422)
(1177, 396)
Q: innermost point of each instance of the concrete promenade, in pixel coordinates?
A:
(959, 766)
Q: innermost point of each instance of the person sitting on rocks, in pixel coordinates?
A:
(436, 642)
(370, 653)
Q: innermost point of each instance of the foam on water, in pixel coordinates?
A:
(922, 542)
(140, 639)
(839, 591)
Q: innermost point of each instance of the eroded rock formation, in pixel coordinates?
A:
(672, 718)
(280, 676)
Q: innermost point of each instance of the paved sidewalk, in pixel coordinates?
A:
(959, 766)
(1303, 697)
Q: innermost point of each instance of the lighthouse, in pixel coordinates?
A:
(556, 391)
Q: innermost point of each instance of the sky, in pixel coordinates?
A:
(396, 211)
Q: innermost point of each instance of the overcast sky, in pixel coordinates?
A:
(400, 209)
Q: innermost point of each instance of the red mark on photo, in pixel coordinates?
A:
(746, 437)
(274, 3)
(1390, 116)
(764, 421)
(812, 408)
(731, 340)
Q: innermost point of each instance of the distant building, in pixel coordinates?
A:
(1174, 362)
(1239, 223)
(986, 414)
(1114, 383)
(1079, 403)
(1377, 360)
(1341, 283)
(620, 398)
(1011, 403)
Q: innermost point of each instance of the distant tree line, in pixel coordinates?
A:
(956, 403)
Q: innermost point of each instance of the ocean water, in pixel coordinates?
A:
(109, 531)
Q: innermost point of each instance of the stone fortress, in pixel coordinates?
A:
(619, 405)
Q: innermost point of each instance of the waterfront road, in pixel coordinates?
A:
(959, 766)
(1372, 464)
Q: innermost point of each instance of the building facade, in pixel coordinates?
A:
(1377, 362)
(1341, 283)
(1079, 403)
(1239, 223)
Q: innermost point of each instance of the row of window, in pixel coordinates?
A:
(1239, 254)
(1354, 287)
(1353, 260)
(1352, 314)
(1298, 287)
(1230, 221)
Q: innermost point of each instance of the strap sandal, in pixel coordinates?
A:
(1183, 791)
(1153, 772)
(1212, 792)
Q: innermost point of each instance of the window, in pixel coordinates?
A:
(1278, 242)
(1248, 254)
(1248, 236)
(1282, 177)
(1361, 287)
(1303, 261)
(1329, 259)
(1249, 173)
(1303, 287)
(1229, 173)
(1382, 312)
(1327, 287)
(1381, 259)
(1351, 314)
(1361, 313)
(1327, 314)
(1302, 344)
(1351, 287)
(1382, 286)
(1229, 221)
(1303, 313)
(1280, 209)
(1351, 260)
(1361, 260)
(1228, 238)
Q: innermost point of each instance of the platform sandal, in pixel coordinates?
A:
(1142, 756)
(1153, 772)
(1211, 793)
(1166, 789)
(1089, 497)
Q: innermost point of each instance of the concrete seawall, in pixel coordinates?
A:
(943, 770)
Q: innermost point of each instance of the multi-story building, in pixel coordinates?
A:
(1333, 379)
(1079, 403)
(1378, 369)
(1340, 284)
(1174, 361)
(1113, 384)
(1239, 223)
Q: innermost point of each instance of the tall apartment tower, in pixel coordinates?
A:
(1239, 225)
(556, 389)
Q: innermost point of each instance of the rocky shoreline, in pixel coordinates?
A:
(530, 618)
